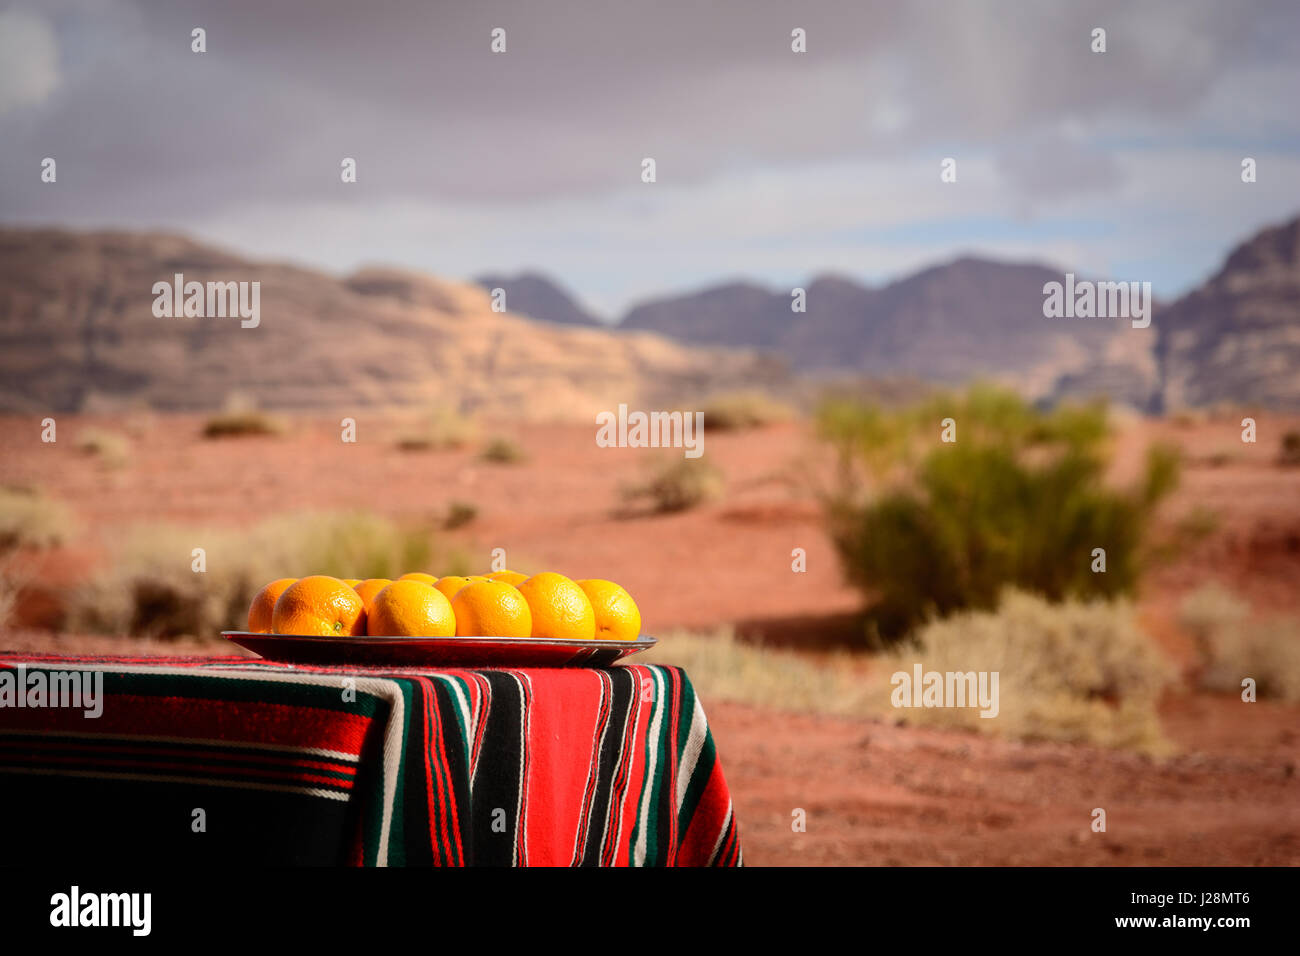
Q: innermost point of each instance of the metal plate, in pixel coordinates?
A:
(437, 651)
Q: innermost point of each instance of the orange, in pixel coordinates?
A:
(428, 579)
(320, 606)
(491, 609)
(450, 584)
(561, 609)
(410, 609)
(507, 577)
(369, 588)
(259, 612)
(617, 617)
(351, 582)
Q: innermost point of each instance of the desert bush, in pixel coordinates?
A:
(1078, 671)
(1232, 646)
(112, 449)
(733, 411)
(675, 484)
(28, 519)
(151, 589)
(234, 424)
(441, 429)
(927, 528)
(1289, 454)
(459, 514)
(503, 451)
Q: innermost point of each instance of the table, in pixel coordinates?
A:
(229, 760)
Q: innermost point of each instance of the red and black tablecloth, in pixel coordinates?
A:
(231, 760)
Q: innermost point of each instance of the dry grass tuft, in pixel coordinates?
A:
(112, 449)
(1081, 672)
(243, 423)
(724, 668)
(735, 411)
(151, 587)
(675, 484)
(443, 428)
(28, 519)
(1232, 646)
(503, 451)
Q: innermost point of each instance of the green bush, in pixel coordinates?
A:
(925, 527)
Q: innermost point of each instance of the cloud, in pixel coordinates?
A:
(771, 164)
(29, 60)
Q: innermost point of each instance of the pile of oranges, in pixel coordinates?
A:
(500, 604)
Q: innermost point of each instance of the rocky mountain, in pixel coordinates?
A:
(538, 297)
(1236, 338)
(78, 329)
(963, 320)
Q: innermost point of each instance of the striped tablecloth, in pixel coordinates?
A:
(230, 760)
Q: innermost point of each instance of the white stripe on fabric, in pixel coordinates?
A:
(695, 737)
(657, 707)
(726, 824)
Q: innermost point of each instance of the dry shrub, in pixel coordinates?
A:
(151, 589)
(723, 668)
(112, 449)
(1289, 450)
(28, 519)
(675, 484)
(242, 423)
(1075, 671)
(459, 514)
(503, 451)
(1232, 646)
(749, 408)
(441, 429)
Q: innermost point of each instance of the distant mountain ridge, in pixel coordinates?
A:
(947, 324)
(538, 297)
(77, 330)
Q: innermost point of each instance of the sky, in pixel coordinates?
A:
(771, 166)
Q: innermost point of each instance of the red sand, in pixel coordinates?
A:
(873, 793)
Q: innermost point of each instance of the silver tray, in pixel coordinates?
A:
(437, 651)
